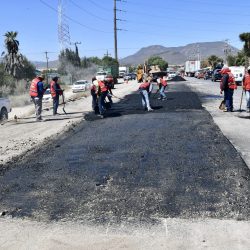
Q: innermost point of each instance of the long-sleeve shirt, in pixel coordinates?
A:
(40, 89)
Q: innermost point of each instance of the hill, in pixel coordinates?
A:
(178, 55)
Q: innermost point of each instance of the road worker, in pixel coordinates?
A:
(93, 91)
(246, 87)
(55, 91)
(145, 88)
(102, 93)
(162, 86)
(109, 84)
(228, 85)
(37, 89)
(139, 74)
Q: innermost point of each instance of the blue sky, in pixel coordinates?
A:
(143, 23)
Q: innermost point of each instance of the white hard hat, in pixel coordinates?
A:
(248, 68)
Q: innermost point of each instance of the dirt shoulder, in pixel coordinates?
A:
(18, 137)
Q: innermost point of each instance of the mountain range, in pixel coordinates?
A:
(178, 55)
(173, 55)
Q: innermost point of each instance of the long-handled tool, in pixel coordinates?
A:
(63, 99)
(240, 110)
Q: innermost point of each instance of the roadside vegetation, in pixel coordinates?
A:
(16, 71)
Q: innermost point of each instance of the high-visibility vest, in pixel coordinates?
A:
(102, 86)
(246, 82)
(52, 88)
(33, 87)
(231, 81)
(144, 86)
(163, 82)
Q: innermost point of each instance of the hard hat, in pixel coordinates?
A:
(248, 68)
(41, 76)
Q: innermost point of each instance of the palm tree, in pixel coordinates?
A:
(12, 59)
(245, 37)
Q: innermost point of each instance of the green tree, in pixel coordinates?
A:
(13, 60)
(26, 71)
(109, 61)
(245, 37)
(95, 60)
(214, 61)
(156, 60)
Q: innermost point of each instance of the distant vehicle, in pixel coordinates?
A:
(47, 96)
(80, 85)
(208, 74)
(123, 70)
(171, 74)
(100, 75)
(238, 72)
(5, 108)
(130, 76)
(216, 76)
(201, 74)
(191, 67)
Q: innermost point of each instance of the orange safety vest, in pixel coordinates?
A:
(33, 87)
(231, 81)
(52, 89)
(163, 82)
(144, 86)
(102, 86)
(246, 82)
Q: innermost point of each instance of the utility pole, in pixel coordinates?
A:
(47, 60)
(115, 31)
(107, 54)
(115, 27)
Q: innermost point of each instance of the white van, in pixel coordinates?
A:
(238, 72)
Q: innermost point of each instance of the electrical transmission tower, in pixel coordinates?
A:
(63, 27)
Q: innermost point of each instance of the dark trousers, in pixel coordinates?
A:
(101, 102)
(55, 104)
(228, 96)
(94, 101)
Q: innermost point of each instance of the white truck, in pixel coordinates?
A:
(238, 72)
(5, 108)
(191, 67)
(123, 70)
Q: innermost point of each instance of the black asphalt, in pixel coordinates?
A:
(133, 166)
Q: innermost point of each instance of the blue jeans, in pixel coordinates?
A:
(145, 99)
(228, 95)
(55, 104)
(162, 94)
(248, 98)
(101, 102)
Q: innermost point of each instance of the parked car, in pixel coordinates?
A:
(5, 108)
(130, 76)
(47, 96)
(216, 76)
(80, 85)
(100, 75)
(208, 74)
(201, 75)
(171, 74)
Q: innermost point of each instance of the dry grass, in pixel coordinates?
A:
(20, 100)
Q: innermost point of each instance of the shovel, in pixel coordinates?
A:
(63, 104)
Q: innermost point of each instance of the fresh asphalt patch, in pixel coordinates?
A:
(133, 166)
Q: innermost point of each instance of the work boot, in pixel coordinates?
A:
(150, 109)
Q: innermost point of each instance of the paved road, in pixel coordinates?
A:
(133, 167)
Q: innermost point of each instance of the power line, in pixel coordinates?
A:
(91, 14)
(75, 21)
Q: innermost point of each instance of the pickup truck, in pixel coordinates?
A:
(5, 108)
